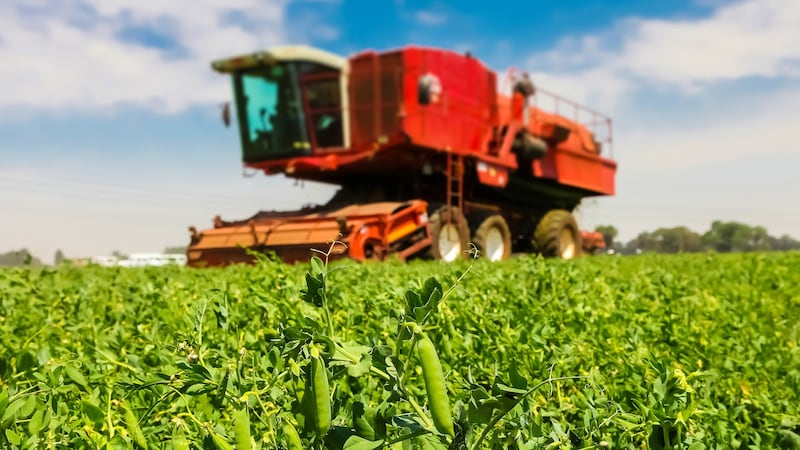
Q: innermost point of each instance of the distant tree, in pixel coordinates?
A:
(723, 237)
(645, 242)
(678, 240)
(759, 239)
(19, 258)
(667, 240)
(736, 237)
(59, 257)
(784, 243)
(177, 250)
(609, 233)
(119, 255)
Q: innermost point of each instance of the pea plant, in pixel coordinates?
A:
(680, 351)
(389, 395)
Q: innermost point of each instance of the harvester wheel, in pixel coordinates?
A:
(557, 235)
(449, 233)
(493, 238)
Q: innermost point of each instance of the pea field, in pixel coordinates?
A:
(652, 351)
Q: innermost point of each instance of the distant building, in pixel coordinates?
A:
(140, 260)
(152, 259)
(107, 261)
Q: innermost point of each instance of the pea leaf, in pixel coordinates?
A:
(25, 361)
(13, 437)
(93, 412)
(788, 440)
(317, 266)
(75, 376)
(28, 407)
(359, 443)
(3, 401)
(431, 292)
(35, 424)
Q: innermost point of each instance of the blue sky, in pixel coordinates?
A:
(111, 138)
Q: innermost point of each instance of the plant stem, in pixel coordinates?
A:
(498, 417)
(418, 409)
(405, 437)
(447, 293)
(108, 416)
(385, 376)
(325, 293)
(355, 360)
(327, 313)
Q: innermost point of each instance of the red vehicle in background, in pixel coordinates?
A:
(593, 242)
(430, 149)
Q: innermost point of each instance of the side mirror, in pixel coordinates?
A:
(226, 114)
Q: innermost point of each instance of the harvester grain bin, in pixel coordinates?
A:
(430, 150)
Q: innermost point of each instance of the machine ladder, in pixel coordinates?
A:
(455, 181)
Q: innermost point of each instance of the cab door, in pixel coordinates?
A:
(322, 101)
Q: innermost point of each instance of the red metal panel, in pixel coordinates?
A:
(584, 170)
(607, 178)
(546, 167)
(465, 113)
(391, 96)
(362, 99)
(376, 97)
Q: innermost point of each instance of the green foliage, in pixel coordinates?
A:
(688, 351)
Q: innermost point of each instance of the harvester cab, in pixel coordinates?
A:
(289, 101)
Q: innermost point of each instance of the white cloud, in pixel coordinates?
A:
(769, 130)
(430, 18)
(749, 38)
(70, 54)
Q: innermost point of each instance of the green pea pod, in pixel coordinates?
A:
(291, 437)
(321, 396)
(179, 441)
(241, 429)
(219, 441)
(362, 420)
(132, 424)
(435, 387)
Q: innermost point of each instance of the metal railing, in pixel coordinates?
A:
(599, 124)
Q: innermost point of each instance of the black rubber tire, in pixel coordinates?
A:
(438, 220)
(495, 221)
(547, 238)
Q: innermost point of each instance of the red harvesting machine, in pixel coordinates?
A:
(429, 149)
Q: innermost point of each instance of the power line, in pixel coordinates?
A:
(135, 195)
(191, 195)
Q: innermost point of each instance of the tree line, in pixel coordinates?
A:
(722, 237)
